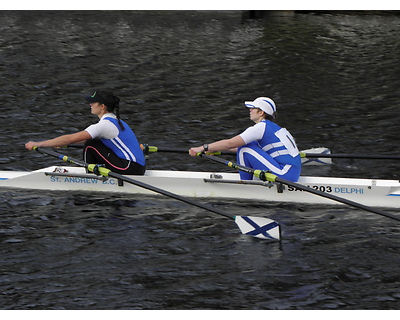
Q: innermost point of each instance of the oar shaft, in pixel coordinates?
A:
(168, 194)
(165, 149)
(273, 178)
(151, 149)
(107, 172)
(302, 154)
(62, 157)
(258, 173)
(349, 156)
(336, 198)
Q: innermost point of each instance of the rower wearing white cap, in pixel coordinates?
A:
(264, 146)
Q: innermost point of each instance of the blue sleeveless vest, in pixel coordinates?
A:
(125, 145)
(280, 144)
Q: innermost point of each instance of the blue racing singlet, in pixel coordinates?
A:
(279, 144)
(275, 141)
(125, 145)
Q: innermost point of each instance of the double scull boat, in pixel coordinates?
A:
(211, 185)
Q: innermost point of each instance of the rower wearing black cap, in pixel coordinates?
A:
(110, 142)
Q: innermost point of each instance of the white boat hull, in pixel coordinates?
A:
(376, 193)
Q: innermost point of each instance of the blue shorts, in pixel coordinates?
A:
(252, 156)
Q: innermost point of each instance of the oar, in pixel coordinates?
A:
(258, 227)
(152, 149)
(147, 149)
(321, 152)
(350, 156)
(267, 176)
(305, 161)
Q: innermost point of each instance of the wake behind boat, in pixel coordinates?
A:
(211, 185)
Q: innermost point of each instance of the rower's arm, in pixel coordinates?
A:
(228, 144)
(61, 140)
(222, 145)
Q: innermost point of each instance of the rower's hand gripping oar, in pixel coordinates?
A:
(258, 227)
(267, 176)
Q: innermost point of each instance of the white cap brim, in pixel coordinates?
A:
(250, 104)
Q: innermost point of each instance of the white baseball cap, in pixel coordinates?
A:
(265, 104)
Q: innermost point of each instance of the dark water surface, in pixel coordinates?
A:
(182, 78)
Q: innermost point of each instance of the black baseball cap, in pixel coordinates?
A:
(96, 97)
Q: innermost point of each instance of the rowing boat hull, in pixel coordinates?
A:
(378, 193)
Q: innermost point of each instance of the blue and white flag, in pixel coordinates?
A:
(258, 227)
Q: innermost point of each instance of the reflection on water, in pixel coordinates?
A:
(182, 78)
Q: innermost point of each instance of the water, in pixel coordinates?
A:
(182, 78)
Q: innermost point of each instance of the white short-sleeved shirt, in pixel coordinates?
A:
(253, 133)
(104, 129)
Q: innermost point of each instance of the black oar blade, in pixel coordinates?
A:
(259, 227)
